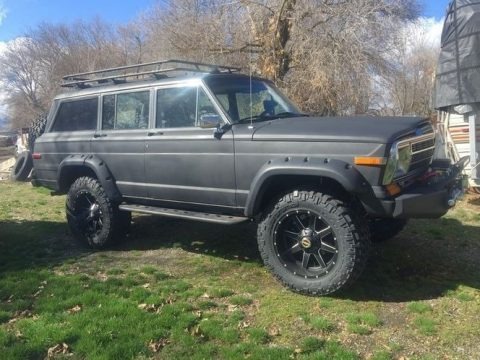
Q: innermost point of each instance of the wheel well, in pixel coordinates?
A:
(276, 186)
(72, 173)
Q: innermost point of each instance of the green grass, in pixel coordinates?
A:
(221, 293)
(362, 323)
(322, 323)
(419, 307)
(182, 290)
(426, 325)
(240, 300)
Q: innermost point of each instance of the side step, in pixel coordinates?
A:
(183, 214)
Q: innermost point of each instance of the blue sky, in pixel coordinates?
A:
(16, 16)
(22, 14)
(435, 8)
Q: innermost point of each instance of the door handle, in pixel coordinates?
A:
(99, 135)
(153, 133)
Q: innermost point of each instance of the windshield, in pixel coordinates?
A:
(267, 101)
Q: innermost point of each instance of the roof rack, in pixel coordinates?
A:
(156, 69)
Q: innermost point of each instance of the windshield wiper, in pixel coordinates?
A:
(282, 115)
(254, 118)
(288, 114)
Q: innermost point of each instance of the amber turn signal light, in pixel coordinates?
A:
(370, 161)
(393, 189)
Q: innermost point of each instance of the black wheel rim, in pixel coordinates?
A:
(88, 215)
(305, 244)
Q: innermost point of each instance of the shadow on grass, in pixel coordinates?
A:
(430, 258)
(427, 260)
(228, 242)
(27, 245)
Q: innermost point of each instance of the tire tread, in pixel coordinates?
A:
(349, 216)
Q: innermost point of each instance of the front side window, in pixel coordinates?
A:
(176, 107)
(244, 99)
(77, 115)
(126, 111)
(185, 107)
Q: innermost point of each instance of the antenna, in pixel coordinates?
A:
(250, 77)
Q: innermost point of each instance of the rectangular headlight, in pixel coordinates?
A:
(398, 162)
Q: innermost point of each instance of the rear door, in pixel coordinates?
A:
(120, 142)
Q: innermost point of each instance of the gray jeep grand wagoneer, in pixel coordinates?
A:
(204, 142)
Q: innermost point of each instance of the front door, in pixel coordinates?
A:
(184, 162)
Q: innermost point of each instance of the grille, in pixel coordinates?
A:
(422, 152)
(423, 145)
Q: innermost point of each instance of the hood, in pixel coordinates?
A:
(382, 130)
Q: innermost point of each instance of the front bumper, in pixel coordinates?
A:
(428, 198)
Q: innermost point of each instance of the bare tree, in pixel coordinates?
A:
(32, 67)
(332, 57)
(406, 88)
(21, 78)
(325, 53)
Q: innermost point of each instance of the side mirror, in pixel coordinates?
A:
(210, 121)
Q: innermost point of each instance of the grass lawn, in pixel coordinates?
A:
(180, 289)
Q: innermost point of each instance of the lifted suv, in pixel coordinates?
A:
(204, 142)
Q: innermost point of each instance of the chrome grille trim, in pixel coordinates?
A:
(423, 149)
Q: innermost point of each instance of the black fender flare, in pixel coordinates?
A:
(95, 164)
(340, 171)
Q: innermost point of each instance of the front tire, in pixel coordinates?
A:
(313, 243)
(93, 220)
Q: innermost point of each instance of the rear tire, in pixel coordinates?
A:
(23, 167)
(384, 229)
(313, 242)
(93, 220)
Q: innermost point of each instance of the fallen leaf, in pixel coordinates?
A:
(196, 331)
(273, 331)
(149, 307)
(58, 349)
(75, 309)
(158, 345)
(170, 300)
(232, 307)
(243, 325)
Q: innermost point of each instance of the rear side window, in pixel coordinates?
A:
(77, 115)
(126, 111)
